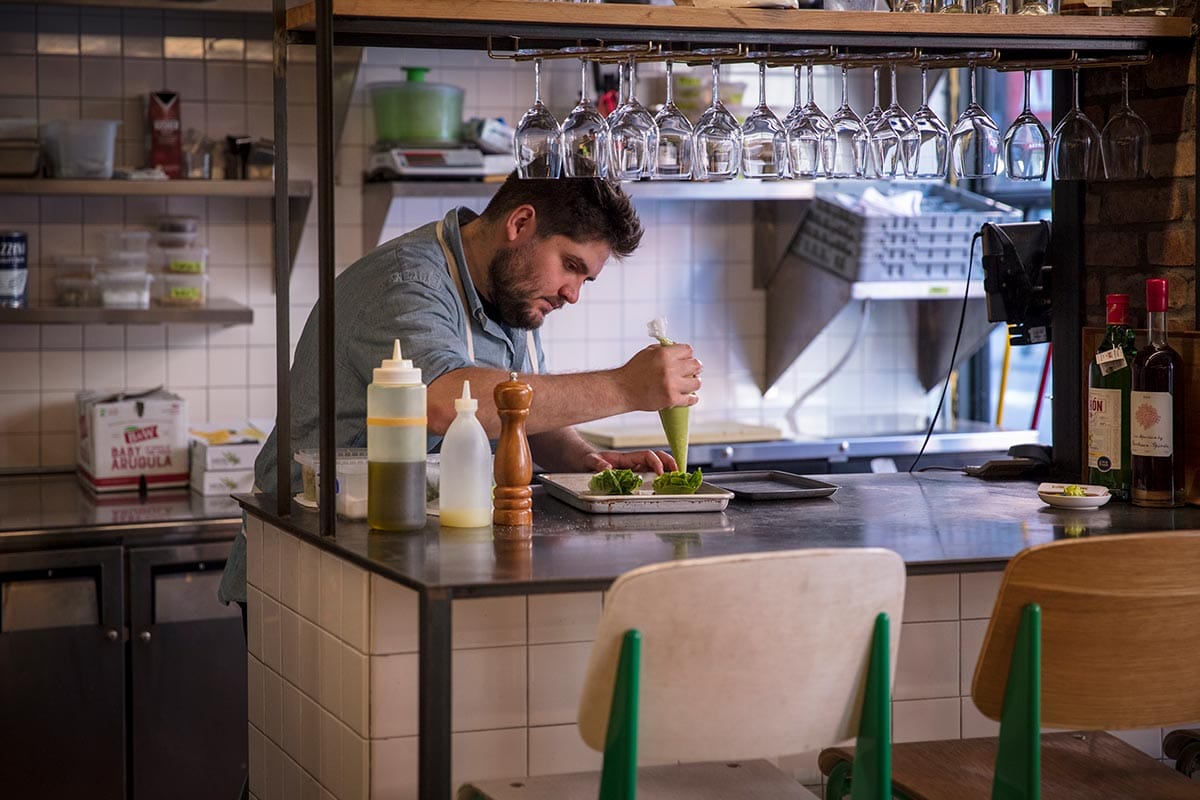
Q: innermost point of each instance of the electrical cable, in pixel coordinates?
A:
(790, 414)
(1041, 391)
(962, 317)
(1003, 381)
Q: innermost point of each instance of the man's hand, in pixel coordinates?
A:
(655, 461)
(662, 376)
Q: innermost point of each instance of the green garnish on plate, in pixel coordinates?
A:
(615, 481)
(1074, 491)
(678, 482)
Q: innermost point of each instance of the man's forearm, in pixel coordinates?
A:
(562, 450)
(559, 401)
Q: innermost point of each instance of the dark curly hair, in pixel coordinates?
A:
(582, 209)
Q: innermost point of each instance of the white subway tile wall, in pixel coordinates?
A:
(693, 266)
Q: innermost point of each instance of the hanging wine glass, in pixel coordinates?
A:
(675, 145)
(585, 136)
(537, 140)
(718, 137)
(632, 134)
(898, 154)
(933, 146)
(1036, 8)
(874, 164)
(849, 139)
(975, 140)
(764, 141)
(990, 6)
(1025, 144)
(953, 7)
(1076, 142)
(809, 136)
(1125, 140)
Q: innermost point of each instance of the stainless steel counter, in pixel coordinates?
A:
(56, 510)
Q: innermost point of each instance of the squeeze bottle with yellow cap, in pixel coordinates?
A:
(396, 446)
(466, 497)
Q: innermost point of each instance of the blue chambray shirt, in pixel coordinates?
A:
(400, 290)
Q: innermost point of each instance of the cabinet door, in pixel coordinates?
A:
(62, 674)
(188, 676)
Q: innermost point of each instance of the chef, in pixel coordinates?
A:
(466, 295)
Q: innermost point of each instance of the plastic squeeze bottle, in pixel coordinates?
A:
(674, 420)
(466, 498)
(396, 446)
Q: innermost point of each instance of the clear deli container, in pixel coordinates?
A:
(178, 223)
(310, 469)
(75, 266)
(125, 291)
(128, 263)
(190, 260)
(127, 240)
(76, 291)
(182, 289)
(350, 491)
(174, 240)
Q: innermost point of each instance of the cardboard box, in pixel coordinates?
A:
(226, 482)
(164, 134)
(216, 446)
(125, 440)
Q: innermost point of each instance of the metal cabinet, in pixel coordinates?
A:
(187, 668)
(121, 676)
(62, 674)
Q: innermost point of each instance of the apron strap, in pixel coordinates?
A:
(452, 265)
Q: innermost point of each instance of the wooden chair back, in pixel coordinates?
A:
(745, 656)
(1120, 647)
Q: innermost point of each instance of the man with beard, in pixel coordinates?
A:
(465, 296)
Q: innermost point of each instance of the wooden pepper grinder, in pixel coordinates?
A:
(513, 464)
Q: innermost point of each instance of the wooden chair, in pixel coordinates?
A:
(723, 662)
(1086, 633)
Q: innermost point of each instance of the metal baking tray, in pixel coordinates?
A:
(572, 489)
(770, 485)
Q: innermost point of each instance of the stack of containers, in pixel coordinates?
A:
(75, 281)
(223, 456)
(182, 264)
(122, 277)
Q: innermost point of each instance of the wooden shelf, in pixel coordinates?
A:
(179, 188)
(217, 312)
(468, 23)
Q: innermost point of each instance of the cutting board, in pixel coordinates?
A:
(649, 433)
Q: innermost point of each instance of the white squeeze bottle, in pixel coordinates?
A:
(466, 497)
(396, 446)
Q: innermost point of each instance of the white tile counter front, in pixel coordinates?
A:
(333, 676)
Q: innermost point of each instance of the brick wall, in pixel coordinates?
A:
(1134, 230)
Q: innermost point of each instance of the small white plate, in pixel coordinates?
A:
(1093, 497)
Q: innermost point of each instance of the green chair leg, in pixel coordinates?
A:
(837, 784)
(871, 775)
(1018, 756)
(618, 776)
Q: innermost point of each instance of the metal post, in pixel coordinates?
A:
(325, 320)
(281, 256)
(434, 705)
(1066, 202)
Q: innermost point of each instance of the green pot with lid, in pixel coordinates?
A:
(414, 113)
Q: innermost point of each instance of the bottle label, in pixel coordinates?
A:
(1110, 361)
(1104, 429)
(12, 282)
(1152, 425)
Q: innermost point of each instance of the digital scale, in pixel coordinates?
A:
(394, 163)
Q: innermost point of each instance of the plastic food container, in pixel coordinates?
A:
(191, 260)
(75, 291)
(175, 240)
(75, 266)
(130, 263)
(125, 291)
(178, 223)
(182, 289)
(413, 112)
(350, 490)
(310, 469)
(81, 148)
(129, 240)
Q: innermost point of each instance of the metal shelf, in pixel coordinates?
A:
(177, 188)
(217, 312)
(468, 24)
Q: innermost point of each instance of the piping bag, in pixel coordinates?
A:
(675, 424)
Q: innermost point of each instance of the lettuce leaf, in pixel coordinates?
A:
(678, 482)
(615, 481)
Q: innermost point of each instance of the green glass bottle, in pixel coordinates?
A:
(1110, 380)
